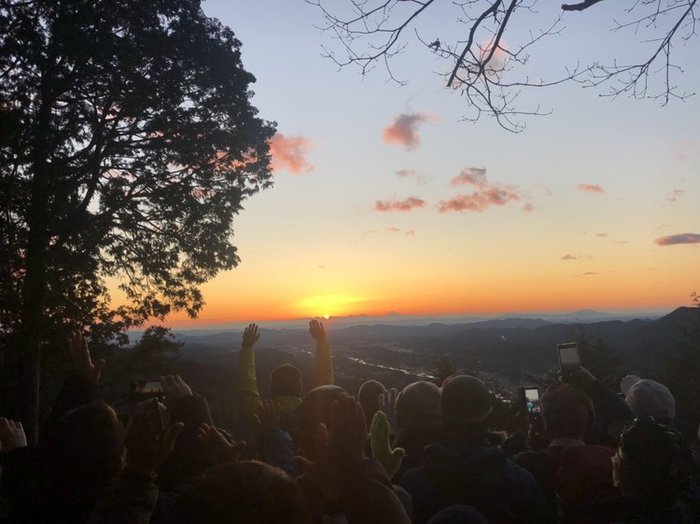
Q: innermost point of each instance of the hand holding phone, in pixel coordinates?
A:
(568, 356)
(531, 398)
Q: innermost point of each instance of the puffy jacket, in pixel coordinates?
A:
(459, 471)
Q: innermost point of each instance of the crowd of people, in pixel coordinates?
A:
(425, 454)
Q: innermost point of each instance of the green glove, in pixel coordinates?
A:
(381, 447)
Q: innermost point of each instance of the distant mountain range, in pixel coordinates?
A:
(504, 344)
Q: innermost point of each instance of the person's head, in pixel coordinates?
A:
(285, 381)
(246, 491)
(465, 406)
(649, 398)
(651, 461)
(87, 445)
(316, 409)
(368, 396)
(418, 405)
(567, 413)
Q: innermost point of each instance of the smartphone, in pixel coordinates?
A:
(568, 355)
(531, 397)
(145, 389)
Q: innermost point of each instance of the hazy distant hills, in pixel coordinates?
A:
(499, 345)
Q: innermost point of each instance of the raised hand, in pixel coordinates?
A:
(250, 336)
(381, 446)
(217, 444)
(175, 389)
(317, 331)
(11, 435)
(387, 403)
(269, 418)
(148, 443)
(578, 377)
(82, 361)
(339, 449)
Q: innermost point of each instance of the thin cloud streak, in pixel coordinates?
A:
(408, 204)
(590, 188)
(681, 238)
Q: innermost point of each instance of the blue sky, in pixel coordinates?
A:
(315, 244)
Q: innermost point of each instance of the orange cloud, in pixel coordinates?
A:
(528, 207)
(289, 153)
(590, 188)
(682, 238)
(474, 176)
(408, 204)
(485, 196)
(404, 129)
(575, 257)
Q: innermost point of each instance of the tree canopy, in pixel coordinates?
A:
(128, 142)
(486, 61)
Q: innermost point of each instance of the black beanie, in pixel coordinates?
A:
(465, 401)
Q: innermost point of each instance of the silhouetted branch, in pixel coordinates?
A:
(580, 6)
(484, 69)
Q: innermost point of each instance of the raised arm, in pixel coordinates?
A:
(324, 359)
(80, 386)
(246, 379)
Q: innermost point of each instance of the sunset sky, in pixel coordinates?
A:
(384, 201)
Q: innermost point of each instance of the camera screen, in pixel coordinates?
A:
(568, 355)
(532, 400)
(150, 387)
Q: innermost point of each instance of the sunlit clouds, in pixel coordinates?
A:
(405, 205)
(289, 154)
(485, 194)
(590, 188)
(404, 129)
(675, 195)
(681, 238)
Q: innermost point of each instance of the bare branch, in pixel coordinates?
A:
(580, 6)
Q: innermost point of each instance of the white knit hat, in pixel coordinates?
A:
(649, 398)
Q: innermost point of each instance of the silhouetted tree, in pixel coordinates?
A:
(444, 367)
(128, 142)
(491, 74)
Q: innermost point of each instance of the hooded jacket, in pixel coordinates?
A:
(460, 471)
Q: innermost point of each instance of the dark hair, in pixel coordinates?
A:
(87, 445)
(418, 405)
(654, 460)
(315, 409)
(248, 492)
(368, 396)
(285, 380)
(567, 412)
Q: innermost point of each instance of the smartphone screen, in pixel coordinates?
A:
(146, 389)
(568, 355)
(532, 400)
(151, 387)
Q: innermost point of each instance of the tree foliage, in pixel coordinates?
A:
(486, 61)
(128, 142)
